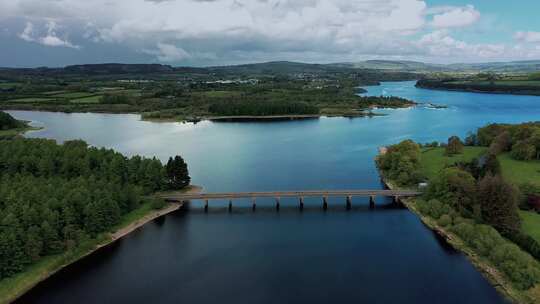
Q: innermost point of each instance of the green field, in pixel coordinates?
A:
(520, 172)
(7, 85)
(531, 224)
(514, 171)
(30, 100)
(433, 159)
(89, 99)
(73, 95)
(218, 94)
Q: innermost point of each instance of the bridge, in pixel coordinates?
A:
(324, 194)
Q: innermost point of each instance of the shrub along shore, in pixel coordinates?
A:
(469, 202)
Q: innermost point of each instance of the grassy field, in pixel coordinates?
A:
(514, 171)
(531, 224)
(433, 159)
(520, 172)
(20, 283)
(8, 85)
(88, 99)
(30, 100)
(73, 95)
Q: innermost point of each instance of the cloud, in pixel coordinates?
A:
(168, 53)
(50, 38)
(456, 17)
(529, 37)
(232, 31)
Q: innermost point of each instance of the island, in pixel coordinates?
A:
(59, 203)
(520, 84)
(482, 195)
(281, 90)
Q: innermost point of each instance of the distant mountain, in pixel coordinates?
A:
(118, 68)
(414, 66)
(396, 65)
(283, 68)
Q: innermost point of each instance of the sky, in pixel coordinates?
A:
(223, 32)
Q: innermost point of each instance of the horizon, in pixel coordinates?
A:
(269, 62)
(195, 33)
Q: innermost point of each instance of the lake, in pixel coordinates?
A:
(384, 255)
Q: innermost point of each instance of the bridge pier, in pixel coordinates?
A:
(205, 205)
(230, 205)
(301, 203)
(325, 203)
(349, 203)
(254, 204)
(372, 202)
(396, 200)
(277, 203)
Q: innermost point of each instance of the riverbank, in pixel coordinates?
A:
(14, 287)
(486, 268)
(481, 89)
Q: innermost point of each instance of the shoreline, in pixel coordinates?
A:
(488, 271)
(354, 113)
(525, 93)
(107, 239)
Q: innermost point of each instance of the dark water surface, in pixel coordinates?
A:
(381, 256)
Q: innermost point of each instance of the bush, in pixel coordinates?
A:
(519, 267)
(523, 150)
(445, 220)
(158, 203)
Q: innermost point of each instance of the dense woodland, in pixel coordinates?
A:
(473, 200)
(7, 122)
(54, 198)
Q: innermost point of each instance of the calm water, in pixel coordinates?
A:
(380, 256)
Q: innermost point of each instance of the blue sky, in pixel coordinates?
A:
(218, 32)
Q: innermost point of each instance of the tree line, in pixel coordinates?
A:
(54, 198)
(8, 122)
(262, 108)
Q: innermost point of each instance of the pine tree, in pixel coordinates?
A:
(177, 172)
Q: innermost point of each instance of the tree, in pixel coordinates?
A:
(491, 165)
(523, 150)
(454, 186)
(455, 146)
(401, 163)
(8, 122)
(501, 143)
(498, 202)
(177, 172)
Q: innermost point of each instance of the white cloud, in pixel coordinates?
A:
(27, 32)
(50, 38)
(254, 30)
(168, 53)
(456, 17)
(529, 37)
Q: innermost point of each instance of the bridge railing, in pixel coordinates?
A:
(348, 194)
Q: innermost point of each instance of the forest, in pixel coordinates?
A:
(53, 198)
(7, 122)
